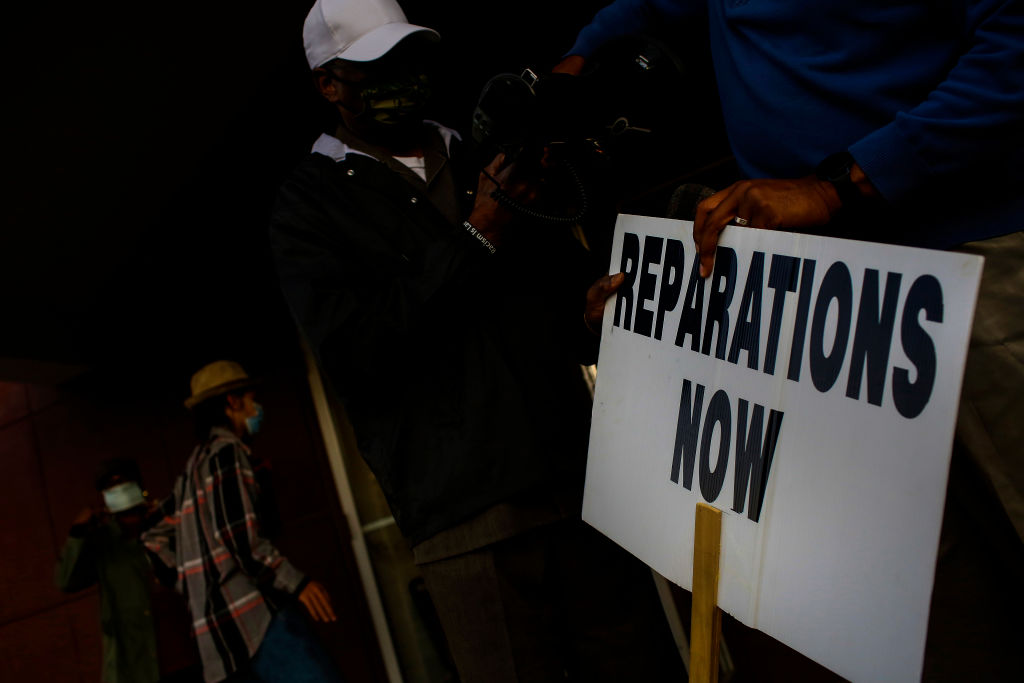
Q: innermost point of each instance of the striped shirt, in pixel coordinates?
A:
(228, 572)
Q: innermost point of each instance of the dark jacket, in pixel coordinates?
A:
(459, 369)
(100, 554)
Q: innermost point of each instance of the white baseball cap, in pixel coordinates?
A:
(356, 30)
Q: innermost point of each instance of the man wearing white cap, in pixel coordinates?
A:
(240, 590)
(453, 333)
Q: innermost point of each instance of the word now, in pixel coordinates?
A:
(755, 447)
(732, 332)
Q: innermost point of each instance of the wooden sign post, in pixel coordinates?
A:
(705, 617)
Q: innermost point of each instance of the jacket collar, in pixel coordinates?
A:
(333, 148)
(219, 433)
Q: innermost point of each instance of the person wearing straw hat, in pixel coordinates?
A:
(453, 331)
(240, 590)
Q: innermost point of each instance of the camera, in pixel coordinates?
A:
(602, 123)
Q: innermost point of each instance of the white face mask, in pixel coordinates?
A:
(123, 497)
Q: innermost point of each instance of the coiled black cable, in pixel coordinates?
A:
(516, 206)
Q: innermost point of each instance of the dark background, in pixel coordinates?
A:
(144, 144)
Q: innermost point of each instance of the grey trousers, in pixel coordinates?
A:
(974, 629)
(990, 426)
(557, 603)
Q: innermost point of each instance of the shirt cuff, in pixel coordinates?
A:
(289, 579)
(889, 159)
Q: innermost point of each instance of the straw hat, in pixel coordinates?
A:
(219, 377)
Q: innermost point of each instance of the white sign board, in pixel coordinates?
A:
(808, 388)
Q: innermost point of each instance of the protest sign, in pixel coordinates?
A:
(808, 388)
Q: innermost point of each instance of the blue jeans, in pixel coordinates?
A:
(290, 653)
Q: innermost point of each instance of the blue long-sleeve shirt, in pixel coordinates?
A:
(927, 96)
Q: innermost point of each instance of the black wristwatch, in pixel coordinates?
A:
(836, 170)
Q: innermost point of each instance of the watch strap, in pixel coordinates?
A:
(835, 169)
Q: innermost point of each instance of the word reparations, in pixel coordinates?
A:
(712, 321)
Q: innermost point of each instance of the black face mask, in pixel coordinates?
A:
(393, 103)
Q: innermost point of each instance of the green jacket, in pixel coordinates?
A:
(100, 554)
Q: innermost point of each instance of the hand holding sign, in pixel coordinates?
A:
(766, 203)
(597, 296)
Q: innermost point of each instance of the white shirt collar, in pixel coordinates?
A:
(335, 149)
